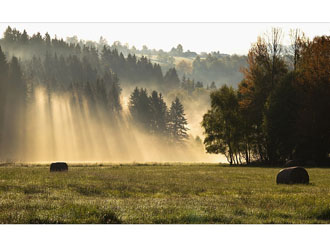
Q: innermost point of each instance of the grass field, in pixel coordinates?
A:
(160, 194)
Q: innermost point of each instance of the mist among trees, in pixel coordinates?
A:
(63, 96)
(268, 107)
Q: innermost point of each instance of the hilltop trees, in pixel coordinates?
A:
(144, 67)
(223, 69)
(95, 59)
(131, 68)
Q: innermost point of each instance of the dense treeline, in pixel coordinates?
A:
(40, 69)
(281, 108)
(208, 67)
(65, 77)
(96, 60)
(57, 64)
(134, 67)
(190, 85)
(223, 70)
(93, 101)
(12, 100)
(152, 114)
(130, 64)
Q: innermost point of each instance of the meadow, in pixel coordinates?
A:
(159, 194)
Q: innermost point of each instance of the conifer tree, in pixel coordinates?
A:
(158, 113)
(177, 122)
(139, 106)
(171, 79)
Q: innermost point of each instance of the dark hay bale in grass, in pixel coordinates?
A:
(59, 167)
(293, 175)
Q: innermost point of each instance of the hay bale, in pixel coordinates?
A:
(293, 175)
(59, 167)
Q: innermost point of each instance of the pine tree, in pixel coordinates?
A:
(177, 122)
(3, 66)
(15, 104)
(213, 86)
(114, 91)
(158, 113)
(17, 84)
(199, 84)
(8, 35)
(139, 106)
(171, 79)
(24, 37)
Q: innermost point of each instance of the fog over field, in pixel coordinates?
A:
(54, 129)
(73, 102)
(150, 93)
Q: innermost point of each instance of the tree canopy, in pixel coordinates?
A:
(280, 109)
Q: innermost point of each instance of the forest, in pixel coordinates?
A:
(270, 106)
(68, 102)
(280, 110)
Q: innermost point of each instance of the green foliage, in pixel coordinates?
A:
(280, 119)
(313, 85)
(277, 114)
(222, 125)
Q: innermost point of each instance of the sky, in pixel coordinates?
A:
(229, 38)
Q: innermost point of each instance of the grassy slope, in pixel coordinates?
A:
(160, 194)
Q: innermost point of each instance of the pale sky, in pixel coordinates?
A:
(230, 38)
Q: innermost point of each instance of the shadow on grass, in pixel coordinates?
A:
(86, 190)
(321, 213)
(32, 189)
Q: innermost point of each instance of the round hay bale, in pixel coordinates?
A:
(59, 167)
(293, 175)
